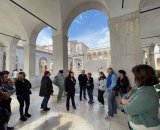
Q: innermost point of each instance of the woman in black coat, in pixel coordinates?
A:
(46, 90)
(90, 87)
(23, 92)
(70, 83)
(122, 83)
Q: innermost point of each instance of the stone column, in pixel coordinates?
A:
(60, 53)
(48, 64)
(126, 50)
(29, 60)
(152, 59)
(148, 58)
(1, 58)
(11, 55)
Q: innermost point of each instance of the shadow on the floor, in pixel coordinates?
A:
(49, 123)
(66, 126)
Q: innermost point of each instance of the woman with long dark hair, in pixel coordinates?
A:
(143, 103)
(70, 83)
(122, 83)
(23, 92)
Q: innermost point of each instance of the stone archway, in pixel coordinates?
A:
(85, 6)
(94, 56)
(105, 54)
(89, 57)
(81, 8)
(31, 48)
(99, 55)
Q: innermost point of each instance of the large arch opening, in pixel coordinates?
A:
(44, 50)
(89, 33)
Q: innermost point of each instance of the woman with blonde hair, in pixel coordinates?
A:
(23, 92)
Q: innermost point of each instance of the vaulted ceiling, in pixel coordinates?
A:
(16, 21)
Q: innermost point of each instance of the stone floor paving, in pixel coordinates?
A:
(85, 117)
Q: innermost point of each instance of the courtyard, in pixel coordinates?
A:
(89, 35)
(85, 117)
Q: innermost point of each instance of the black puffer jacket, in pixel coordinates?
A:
(82, 79)
(70, 85)
(23, 88)
(46, 88)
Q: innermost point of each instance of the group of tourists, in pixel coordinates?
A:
(140, 102)
(21, 86)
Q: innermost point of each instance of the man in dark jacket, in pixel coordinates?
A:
(82, 83)
(46, 90)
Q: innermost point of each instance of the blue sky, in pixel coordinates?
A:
(90, 27)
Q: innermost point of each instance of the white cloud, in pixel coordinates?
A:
(80, 16)
(95, 39)
(77, 21)
(44, 39)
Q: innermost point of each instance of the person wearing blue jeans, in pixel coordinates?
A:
(111, 83)
(45, 102)
(46, 90)
(111, 103)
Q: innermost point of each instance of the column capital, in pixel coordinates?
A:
(60, 36)
(127, 17)
(29, 45)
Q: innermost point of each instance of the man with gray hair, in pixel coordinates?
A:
(111, 83)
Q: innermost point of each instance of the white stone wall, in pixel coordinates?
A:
(77, 53)
(94, 66)
(20, 57)
(39, 56)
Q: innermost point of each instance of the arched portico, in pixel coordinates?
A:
(82, 8)
(60, 48)
(124, 35)
(29, 51)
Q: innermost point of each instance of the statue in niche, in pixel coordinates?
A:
(78, 65)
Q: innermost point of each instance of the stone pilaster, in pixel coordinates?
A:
(11, 55)
(60, 53)
(29, 60)
(126, 50)
(1, 58)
